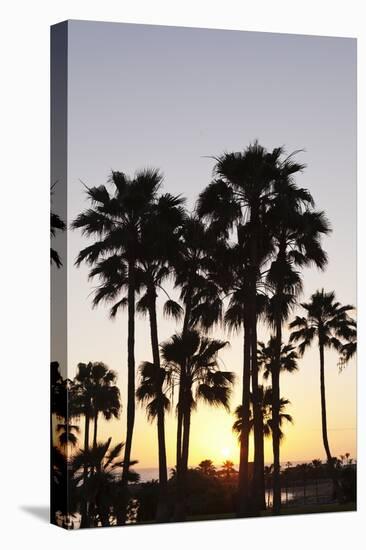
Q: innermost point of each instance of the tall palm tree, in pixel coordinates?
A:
(327, 322)
(237, 316)
(241, 196)
(296, 234)
(158, 240)
(203, 380)
(115, 220)
(160, 234)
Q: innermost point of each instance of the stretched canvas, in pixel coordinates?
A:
(203, 266)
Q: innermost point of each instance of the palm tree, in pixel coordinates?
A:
(207, 468)
(266, 358)
(100, 489)
(94, 389)
(266, 396)
(106, 395)
(266, 420)
(151, 392)
(227, 469)
(197, 355)
(328, 323)
(196, 277)
(159, 243)
(115, 220)
(267, 361)
(64, 407)
(296, 232)
(241, 196)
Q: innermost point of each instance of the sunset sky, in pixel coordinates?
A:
(144, 96)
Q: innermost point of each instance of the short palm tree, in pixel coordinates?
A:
(93, 388)
(266, 411)
(227, 470)
(106, 398)
(64, 407)
(100, 489)
(328, 323)
(207, 468)
(197, 357)
(266, 357)
(266, 417)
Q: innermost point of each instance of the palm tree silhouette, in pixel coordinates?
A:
(296, 234)
(241, 196)
(64, 407)
(197, 355)
(328, 322)
(195, 274)
(152, 393)
(101, 489)
(207, 468)
(160, 233)
(94, 389)
(227, 469)
(266, 395)
(266, 356)
(115, 219)
(106, 398)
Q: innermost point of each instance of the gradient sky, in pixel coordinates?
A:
(167, 97)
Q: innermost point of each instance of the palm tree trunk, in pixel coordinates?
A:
(243, 481)
(85, 520)
(258, 492)
(323, 405)
(276, 418)
(262, 501)
(130, 385)
(180, 489)
(95, 429)
(180, 505)
(162, 509)
(332, 472)
(181, 385)
(185, 455)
